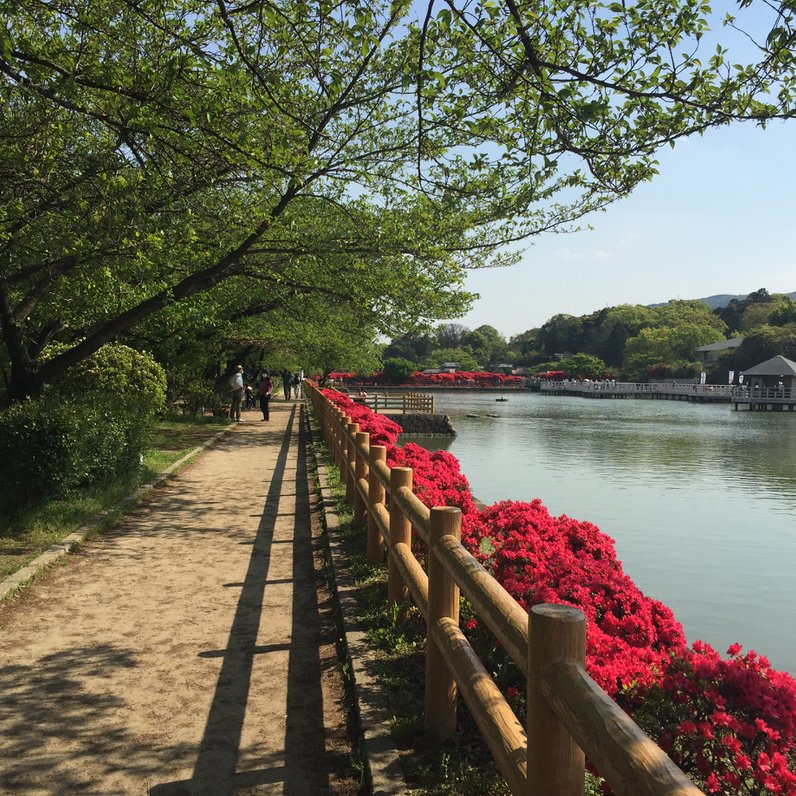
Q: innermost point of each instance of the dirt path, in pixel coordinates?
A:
(189, 651)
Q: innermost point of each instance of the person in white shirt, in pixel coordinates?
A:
(236, 386)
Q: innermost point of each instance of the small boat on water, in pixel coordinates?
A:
(501, 400)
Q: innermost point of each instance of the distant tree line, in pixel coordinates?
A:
(630, 341)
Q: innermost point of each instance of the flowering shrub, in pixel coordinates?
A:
(464, 378)
(728, 723)
(382, 430)
(436, 479)
(543, 559)
(459, 378)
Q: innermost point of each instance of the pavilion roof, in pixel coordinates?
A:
(776, 366)
(722, 345)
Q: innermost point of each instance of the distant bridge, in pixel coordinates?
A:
(697, 393)
(761, 398)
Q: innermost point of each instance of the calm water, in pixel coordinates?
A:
(701, 500)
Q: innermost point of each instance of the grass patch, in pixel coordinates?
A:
(25, 535)
(462, 766)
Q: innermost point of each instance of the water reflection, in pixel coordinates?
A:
(700, 499)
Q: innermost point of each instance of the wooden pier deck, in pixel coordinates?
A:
(765, 398)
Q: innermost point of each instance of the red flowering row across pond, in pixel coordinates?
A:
(460, 378)
(728, 722)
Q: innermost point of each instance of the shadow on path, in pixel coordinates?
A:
(304, 734)
(50, 701)
(300, 768)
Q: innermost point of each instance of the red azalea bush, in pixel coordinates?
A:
(382, 430)
(728, 723)
(437, 481)
(458, 378)
(436, 478)
(543, 559)
(466, 378)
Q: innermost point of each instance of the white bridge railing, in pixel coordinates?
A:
(637, 388)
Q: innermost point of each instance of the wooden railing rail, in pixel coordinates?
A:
(418, 402)
(569, 716)
(626, 757)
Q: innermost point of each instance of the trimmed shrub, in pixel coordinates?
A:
(87, 427)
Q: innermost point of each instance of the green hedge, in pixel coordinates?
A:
(86, 429)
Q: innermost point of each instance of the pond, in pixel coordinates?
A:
(700, 499)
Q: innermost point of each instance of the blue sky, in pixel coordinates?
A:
(719, 218)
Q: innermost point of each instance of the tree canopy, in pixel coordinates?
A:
(183, 159)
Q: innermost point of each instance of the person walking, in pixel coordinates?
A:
(265, 388)
(296, 385)
(236, 389)
(287, 383)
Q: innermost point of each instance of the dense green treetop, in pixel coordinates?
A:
(152, 151)
(627, 339)
(784, 313)
(398, 369)
(582, 366)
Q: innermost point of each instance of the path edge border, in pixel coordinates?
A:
(23, 576)
(382, 760)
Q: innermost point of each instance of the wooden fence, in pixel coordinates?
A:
(569, 716)
(412, 402)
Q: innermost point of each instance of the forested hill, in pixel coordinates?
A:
(629, 341)
(721, 300)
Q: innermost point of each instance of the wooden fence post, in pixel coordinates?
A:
(349, 460)
(325, 414)
(361, 468)
(400, 531)
(339, 434)
(376, 497)
(330, 418)
(556, 763)
(443, 601)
